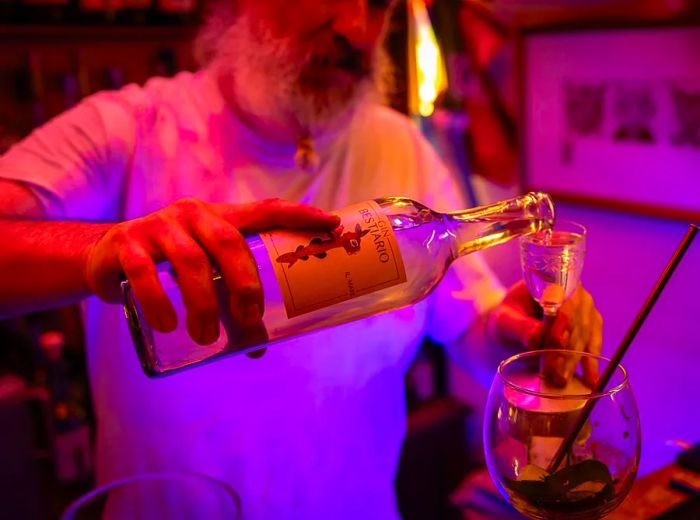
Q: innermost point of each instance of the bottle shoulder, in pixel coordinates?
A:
(406, 213)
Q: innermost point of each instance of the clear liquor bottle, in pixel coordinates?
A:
(388, 253)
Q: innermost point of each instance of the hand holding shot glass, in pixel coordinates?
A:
(552, 261)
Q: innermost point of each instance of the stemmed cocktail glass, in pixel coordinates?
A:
(526, 422)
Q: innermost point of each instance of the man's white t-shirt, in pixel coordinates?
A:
(314, 428)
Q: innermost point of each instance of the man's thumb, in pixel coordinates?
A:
(510, 325)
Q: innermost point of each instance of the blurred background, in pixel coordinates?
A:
(595, 101)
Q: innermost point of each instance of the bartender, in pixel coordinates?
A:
(287, 105)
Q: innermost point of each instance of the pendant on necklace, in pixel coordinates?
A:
(305, 155)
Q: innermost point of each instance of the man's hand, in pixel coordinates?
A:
(196, 238)
(578, 326)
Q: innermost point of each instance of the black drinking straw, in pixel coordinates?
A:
(565, 446)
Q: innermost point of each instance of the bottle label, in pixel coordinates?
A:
(318, 270)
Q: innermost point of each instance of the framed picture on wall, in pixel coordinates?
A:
(611, 116)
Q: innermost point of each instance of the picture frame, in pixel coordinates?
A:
(610, 115)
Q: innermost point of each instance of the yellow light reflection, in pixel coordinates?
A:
(428, 77)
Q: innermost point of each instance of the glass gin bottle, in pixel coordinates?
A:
(387, 253)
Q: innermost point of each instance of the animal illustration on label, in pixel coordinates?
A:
(319, 247)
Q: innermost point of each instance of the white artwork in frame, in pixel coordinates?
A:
(611, 116)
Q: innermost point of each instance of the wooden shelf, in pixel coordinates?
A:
(24, 33)
(54, 55)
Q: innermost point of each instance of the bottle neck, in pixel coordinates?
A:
(485, 226)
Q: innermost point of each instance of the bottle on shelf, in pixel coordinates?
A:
(8, 11)
(29, 92)
(165, 62)
(43, 11)
(175, 12)
(387, 253)
(134, 12)
(113, 77)
(70, 431)
(75, 83)
(98, 11)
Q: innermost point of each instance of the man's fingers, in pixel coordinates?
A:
(572, 359)
(142, 274)
(194, 276)
(577, 327)
(197, 238)
(229, 251)
(590, 371)
(595, 338)
(509, 325)
(558, 333)
(555, 367)
(256, 354)
(519, 298)
(272, 213)
(594, 346)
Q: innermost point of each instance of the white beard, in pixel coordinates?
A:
(264, 74)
